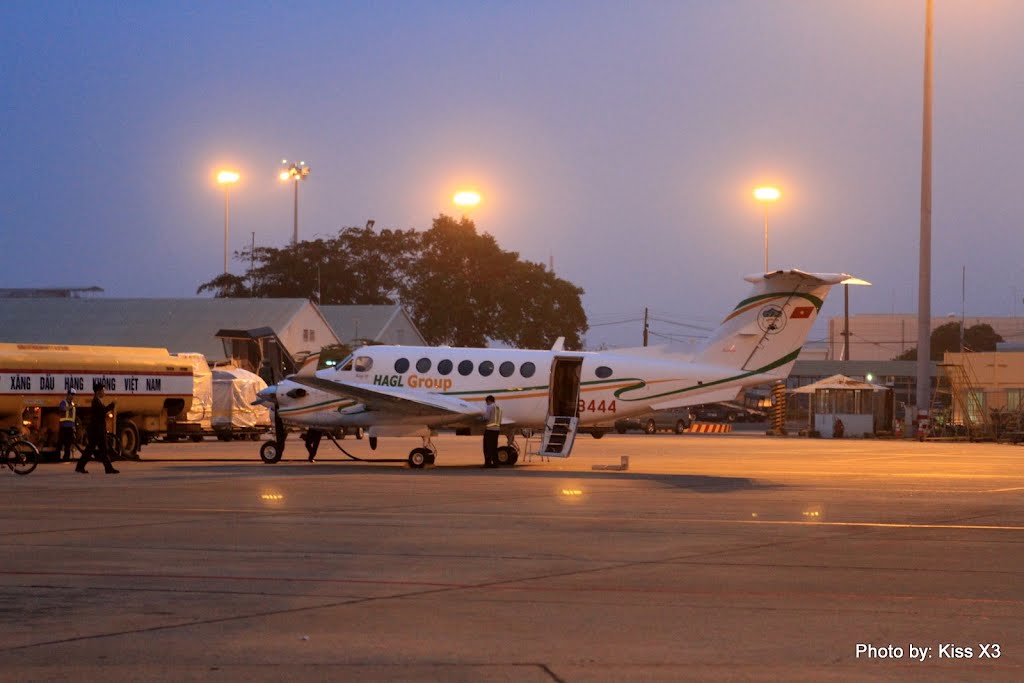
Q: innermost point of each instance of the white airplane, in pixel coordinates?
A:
(414, 390)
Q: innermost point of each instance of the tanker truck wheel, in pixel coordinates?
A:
(269, 452)
(128, 441)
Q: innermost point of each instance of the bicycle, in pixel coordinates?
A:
(19, 454)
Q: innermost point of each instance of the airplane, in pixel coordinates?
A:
(415, 390)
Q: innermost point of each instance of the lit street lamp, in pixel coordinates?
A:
(295, 172)
(467, 199)
(227, 179)
(766, 195)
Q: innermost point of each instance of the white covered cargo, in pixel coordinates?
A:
(234, 391)
(201, 411)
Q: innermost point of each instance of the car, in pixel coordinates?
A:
(727, 412)
(677, 420)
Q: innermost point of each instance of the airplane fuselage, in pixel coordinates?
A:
(611, 384)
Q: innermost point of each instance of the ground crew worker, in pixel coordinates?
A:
(97, 433)
(492, 416)
(68, 425)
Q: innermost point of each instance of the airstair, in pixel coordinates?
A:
(559, 435)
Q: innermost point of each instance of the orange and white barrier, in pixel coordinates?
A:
(709, 428)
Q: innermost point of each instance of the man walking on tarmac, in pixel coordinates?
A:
(97, 433)
(492, 416)
(68, 425)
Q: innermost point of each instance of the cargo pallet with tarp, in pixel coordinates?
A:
(221, 405)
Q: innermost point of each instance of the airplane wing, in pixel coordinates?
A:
(396, 400)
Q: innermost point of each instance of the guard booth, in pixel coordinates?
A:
(842, 406)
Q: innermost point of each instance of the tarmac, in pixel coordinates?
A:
(712, 557)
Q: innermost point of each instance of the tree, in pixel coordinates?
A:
(459, 287)
(467, 291)
(946, 337)
(358, 266)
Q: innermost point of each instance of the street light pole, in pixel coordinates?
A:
(766, 195)
(924, 282)
(295, 172)
(227, 179)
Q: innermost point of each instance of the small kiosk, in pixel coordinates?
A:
(841, 406)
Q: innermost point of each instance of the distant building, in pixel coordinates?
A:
(178, 325)
(48, 292)
(883, 336)
(388, 324)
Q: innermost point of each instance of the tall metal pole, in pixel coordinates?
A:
(766, 238)
(295, 232)
(846, 322)
(225, 229)
(924, 284)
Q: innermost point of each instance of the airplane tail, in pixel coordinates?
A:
(766, 330)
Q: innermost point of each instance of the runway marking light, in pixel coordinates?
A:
(572, 492)
(271, 497)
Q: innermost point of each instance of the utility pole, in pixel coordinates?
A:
(646, 326)
(924, 281)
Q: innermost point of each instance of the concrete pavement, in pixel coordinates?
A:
(733, 557)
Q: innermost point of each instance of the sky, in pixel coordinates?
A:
(619, 140)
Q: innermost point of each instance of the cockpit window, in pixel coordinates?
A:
(362, 364)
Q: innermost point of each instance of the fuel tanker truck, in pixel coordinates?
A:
(148, 386)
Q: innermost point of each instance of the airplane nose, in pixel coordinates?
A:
(268, 395)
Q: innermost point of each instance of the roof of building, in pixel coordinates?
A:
(367, 322)
(178, 325)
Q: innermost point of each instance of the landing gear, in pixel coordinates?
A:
(423, 456)
(270, 453)
(508, 455)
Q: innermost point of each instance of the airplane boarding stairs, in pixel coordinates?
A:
(559, 436)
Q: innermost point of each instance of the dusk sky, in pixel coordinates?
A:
(621, 139)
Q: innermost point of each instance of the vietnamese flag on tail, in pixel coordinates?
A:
(801, 312)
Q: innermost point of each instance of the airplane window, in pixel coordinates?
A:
(465, 367)
(423, 365)
(401, 365)
(444, 367)
(507, 368)
(363, 364)
(603, 372)
(486, 368)
(527, 369)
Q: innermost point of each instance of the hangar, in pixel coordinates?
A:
(178, 325)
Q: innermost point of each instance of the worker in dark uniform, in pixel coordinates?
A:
(312, 438)
(492, 430)
(68, 425)
(97, 433)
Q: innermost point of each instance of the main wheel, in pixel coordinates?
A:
(505, 455)
(650, 427)
(419, 457)
(359, 433)
(680, 426)
(269, 452)
(128, 438)
(22, 457)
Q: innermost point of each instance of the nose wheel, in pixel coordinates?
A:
(423, 456)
